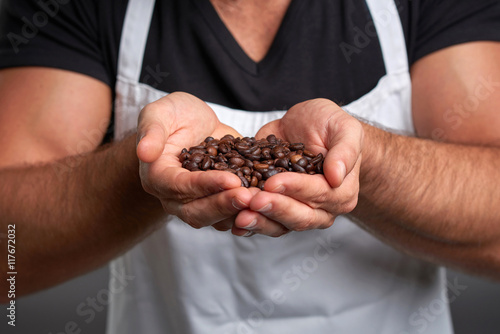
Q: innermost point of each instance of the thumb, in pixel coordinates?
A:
(151, 135)
(345, 138)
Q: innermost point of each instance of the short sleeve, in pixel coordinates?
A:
(60, 34)
(445, 23)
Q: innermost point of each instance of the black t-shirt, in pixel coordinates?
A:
(324, 48)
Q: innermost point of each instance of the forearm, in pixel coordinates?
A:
(76, 214)
(435, 200)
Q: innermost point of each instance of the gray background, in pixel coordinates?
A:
(475, 310)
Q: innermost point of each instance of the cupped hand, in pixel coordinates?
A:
(297, 202)
(177, 121)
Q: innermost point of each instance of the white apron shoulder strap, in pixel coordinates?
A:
(134, 37)
(390, 33)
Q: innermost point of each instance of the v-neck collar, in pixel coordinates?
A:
(232, 47)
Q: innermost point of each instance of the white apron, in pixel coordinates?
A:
(339, 280)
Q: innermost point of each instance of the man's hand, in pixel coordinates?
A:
(299, 202)
(168, 125)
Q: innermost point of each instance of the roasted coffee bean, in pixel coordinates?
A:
(207, 163)
(266, 153)
(272, 139)
(221, 158)
(269, 173)
(257, 175)
(184, 156)
(317, 159)
(221, 166)
(309, 154)
(296, 146)
(319, 168)
(283, 162)
(237, 161)
(294, 158)
(212, 151)
(223, 148)
(254, 182)
(260, 166)
(190, 165)
(253, 157)
(252, 160)
(244, 182)
(246, 171)
(302, 162)
(197, 157)
(298, 168)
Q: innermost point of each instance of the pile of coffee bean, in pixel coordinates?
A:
(252, 160)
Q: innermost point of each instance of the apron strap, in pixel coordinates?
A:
(134, 38)
(390, 33)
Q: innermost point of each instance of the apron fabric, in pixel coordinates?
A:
(339, 280)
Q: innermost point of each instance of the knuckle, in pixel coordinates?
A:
(188, 217)
(350, 205)
(328, 223)
(307, 224)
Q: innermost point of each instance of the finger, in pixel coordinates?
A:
(249, 222)
(316, 192)
(212, 209)
(151, 141)
(182, 185)
(225, 224)
(292, 214)
(344, 141)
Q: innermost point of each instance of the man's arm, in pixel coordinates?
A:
(77, 206)
(74, 207)
(439, 200)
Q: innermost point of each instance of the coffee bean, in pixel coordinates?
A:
(212, 151)
(309, 154)
(197, 157)
(254, 182)
(298, 168)
(296, 146)
(207, 163)
(184, 156)
(283, 162)
(302, 162)
(237, 161)
(221, 166)
(260, 166)
(294, 158)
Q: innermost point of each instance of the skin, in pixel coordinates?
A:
(77, 205)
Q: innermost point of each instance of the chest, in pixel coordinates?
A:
(253, 24)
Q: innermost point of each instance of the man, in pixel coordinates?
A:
(433, 196)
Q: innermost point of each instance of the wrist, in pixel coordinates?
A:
(374, 152)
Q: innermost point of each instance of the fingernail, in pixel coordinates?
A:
(239, 205)
(342, 170)
(251, 226)
(248, 234)
(279, 189)
(266, 208)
